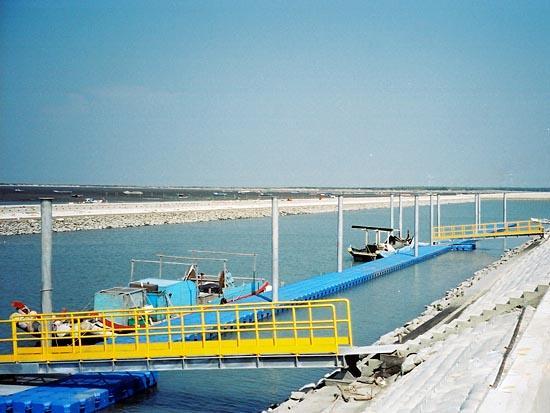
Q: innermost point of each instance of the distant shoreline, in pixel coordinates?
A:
(25, 219)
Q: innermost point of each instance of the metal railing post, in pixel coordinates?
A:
(275, 248)
(340, 242)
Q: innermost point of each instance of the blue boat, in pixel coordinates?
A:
(194, 287)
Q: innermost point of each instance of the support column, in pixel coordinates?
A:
(46, 230)
(401, 215)
(438, 211)
(416, 226)
(275, 248)
(476, 210)
(504, 212)
(431, 219)
(340, 246)
(391, 213)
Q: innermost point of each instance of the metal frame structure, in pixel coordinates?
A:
(487, 230)
(282, 334)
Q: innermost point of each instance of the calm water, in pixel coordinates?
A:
(85, 262)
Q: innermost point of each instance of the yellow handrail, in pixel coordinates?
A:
(299, 327)
(487, 230)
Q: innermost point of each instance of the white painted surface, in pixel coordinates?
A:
(526, 386)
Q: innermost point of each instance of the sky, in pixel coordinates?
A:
(275, 93)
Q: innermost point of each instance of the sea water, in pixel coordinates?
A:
(87, 261)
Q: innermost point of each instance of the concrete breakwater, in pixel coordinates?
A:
(483, 347)
(25, 219)
(137, 216)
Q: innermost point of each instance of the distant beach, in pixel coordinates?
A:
(25, 219)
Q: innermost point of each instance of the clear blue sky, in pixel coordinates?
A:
(294, 93)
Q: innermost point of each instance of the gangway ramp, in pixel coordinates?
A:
(488, 230)
(283, 334)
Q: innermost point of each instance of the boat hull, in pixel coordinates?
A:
(363, 255)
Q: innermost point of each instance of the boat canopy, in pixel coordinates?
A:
(372, 228)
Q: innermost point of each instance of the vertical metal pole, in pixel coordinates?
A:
(431, 219)
(416, 226)
(275, 247)
(340, 247)
(476, 209)
(391, 213)
(46, 222)
(132, 264)
(438, 211)
(401, 215)
(160, 266)
(479, 210)
(254, 273)
(504, 212)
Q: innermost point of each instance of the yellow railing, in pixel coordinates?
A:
(304, 327)
(487, 230)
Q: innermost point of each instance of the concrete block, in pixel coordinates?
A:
(531, 296)
(488, 314)
(388, 360)
(503, 308)
(476, 319)
(515, 301)
(462, 324)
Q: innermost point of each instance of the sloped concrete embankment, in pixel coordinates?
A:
(484, 347)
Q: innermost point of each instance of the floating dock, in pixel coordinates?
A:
(314, 288)
(92, 392)
(331, 283)
(78, 393)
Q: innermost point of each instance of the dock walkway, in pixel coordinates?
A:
(313, 288)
